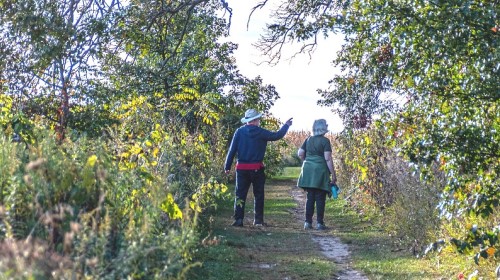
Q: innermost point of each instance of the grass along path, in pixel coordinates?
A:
(284, 250)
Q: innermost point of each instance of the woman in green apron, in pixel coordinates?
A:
(317, 173)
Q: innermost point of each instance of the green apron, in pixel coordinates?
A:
(314, 174)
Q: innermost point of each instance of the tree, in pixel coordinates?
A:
(165, 52)
(50, 49)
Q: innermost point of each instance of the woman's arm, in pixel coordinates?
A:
(301, 154)
(329, 163)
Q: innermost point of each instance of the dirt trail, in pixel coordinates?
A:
(332, 247)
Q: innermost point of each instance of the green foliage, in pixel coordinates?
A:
(375, 176)
(15, 125)
(429, 69)
(144, 99)
(207, 195)
(254, 94)
(5, 111)
(81, 203)
(275, 152)
(49, 51)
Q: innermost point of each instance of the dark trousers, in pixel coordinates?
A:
(245, 178)
(318, 197)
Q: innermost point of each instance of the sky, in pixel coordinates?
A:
(296, 80)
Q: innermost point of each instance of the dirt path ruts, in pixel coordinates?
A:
(332, 247)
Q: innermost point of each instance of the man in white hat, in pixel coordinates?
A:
(249, 145)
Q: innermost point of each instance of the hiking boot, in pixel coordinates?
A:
(238, 223)
(307, 225)
(320, 227)
(259, 224)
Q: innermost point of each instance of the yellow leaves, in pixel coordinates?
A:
(364, 172)
(203, 105)
(171, 208)
(124, 155)
(91, 160)
(135, 102)
(6, 105)
(134, 193)
(132, 107)
(144, 153)
(156, 136)
(137, 193)
(208, 116)
(207, 120)
(446, 107)
(368, 140)
(136, 149)
(88, 174)
(5, 101)
(442, 160)
(223, 188)
(206, 193)
(195, 206)
(460, 196)
(491, 251)
(156, 151)
(184, 97)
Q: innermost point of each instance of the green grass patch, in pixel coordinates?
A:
(288, 173)
(376, 253)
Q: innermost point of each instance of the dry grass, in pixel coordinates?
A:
(34, 258)
(297, 138)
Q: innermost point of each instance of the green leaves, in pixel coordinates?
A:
(51, 49)
(429, 71)
(487, 241)
(171, 208)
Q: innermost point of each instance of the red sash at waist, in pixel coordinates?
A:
(249, 166)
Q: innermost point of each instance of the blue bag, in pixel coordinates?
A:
(335, 191)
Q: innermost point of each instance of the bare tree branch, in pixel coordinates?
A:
(258, 6)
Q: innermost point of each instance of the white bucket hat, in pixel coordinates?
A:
(250, 115)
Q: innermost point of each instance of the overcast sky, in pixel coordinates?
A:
(296, 80)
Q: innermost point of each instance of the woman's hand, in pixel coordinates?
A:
(334, 180)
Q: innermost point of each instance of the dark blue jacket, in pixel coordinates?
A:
(249, 144)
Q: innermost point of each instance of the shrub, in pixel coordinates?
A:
(377, 181)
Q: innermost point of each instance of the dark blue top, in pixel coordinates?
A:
(249, 144)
